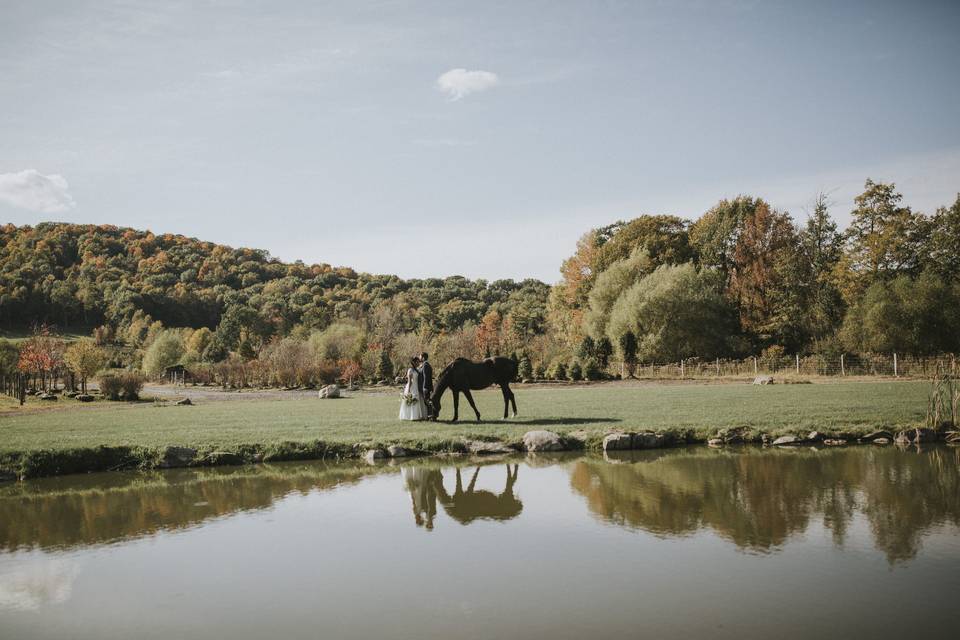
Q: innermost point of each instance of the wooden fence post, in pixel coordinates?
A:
(754, 365)
(682, 374)
(895, 374)
(798, 364)
(718, 367)
(843, 371)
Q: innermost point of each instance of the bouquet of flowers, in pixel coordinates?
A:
(408, 398)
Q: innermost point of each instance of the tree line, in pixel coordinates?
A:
(743, 279)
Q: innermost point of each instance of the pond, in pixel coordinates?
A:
(682, 543)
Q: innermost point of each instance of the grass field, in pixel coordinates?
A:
(848, 408)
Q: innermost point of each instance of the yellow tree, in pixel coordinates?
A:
(84, 358)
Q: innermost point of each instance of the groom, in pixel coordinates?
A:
(426, 382)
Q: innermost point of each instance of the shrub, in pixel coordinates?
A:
(576, 371)
(557, 370)
(591, 370)
(539, 373)
(132, 384)
(110, 385)
(524, 369)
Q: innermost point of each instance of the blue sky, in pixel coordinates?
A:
(482, 139)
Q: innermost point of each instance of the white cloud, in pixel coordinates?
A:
(31, 190)
(458, 83)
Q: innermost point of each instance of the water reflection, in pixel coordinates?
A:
(756, 498)
(464, 505)
(759, 498)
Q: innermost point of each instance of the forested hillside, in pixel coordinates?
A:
(744, 279)
(67, 275)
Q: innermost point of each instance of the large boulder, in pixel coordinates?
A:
(482, 448)
(763, 380)
(618, 442)
(542, 440)
(649, 440)
(172, 457)
(372, 455)
(330, 391)
(215, 458)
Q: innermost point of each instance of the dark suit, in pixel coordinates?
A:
(426, 384)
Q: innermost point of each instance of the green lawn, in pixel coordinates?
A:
(849, 407)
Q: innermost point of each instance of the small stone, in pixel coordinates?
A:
(184, 403)
(784, 441)
(83, 397)
(763, 380)
(542, 440)
(617, 442)
(834, 442)
(715, 442)
(396, 451)
(814, 436)
(47, 396)
(877, 434)
(881, 441)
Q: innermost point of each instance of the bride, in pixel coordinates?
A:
(412, 405)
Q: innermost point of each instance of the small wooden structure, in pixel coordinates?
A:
(177, 374)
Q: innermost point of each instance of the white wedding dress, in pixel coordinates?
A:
(417, 410)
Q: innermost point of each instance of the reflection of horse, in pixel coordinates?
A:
(467, 506)
(464, 506)
(462, 376)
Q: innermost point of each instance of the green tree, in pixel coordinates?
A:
(821, 246)
(919, 316)
(604, 351)
(9, 356)
(675, 312)
(883, 237)
(627, 341)
(384, 369)
(165, 351)
(944, 255)
(609, 285)
(85, 359)
(524, 368)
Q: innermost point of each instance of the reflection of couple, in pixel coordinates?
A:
(464, 505)
(415, 400)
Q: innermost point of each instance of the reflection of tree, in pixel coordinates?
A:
(759, 498)
(464, 505)
(81, 510)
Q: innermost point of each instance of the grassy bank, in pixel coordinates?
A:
(66, 439)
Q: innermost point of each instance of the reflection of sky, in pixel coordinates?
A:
(30, 581)
(351, 563)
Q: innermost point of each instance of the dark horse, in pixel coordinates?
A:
(462, 376)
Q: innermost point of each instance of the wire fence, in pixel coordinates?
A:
(885, 365)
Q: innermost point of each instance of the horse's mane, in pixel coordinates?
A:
(442, 379)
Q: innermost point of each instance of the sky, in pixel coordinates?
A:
(470, 138)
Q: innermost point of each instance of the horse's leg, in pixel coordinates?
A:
(456, 405)
(506, 399)
(459, 488)
(467, 393)
(473, 481)
(513, 400)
